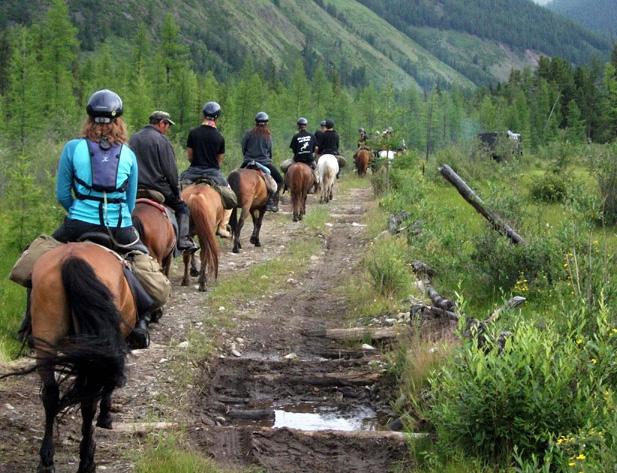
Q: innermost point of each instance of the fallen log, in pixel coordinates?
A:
(354, 434)
(142, 427)
(358, 333)
(345, 353)
(470, 196)
(327, 379)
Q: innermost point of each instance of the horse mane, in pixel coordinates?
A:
(204, 228)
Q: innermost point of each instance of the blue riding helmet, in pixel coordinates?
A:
(104, 106)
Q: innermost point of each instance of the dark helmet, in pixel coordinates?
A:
(262, 117)
(323, 123)
(361, 129)
(212, 110)
(104, 106)
(329, 123)
(302, 121)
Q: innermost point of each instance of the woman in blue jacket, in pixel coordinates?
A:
(97, 175)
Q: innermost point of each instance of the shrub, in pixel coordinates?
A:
(544, 384)
(386, 265)
(551, 187)
(604, 167)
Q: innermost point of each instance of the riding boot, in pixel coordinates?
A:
(224, 229)
(184, 240)
(24, 334)
(273, 200)
(140, 337)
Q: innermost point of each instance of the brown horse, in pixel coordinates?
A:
(155, 231)
(82, 309)
(252, 194)
(363, 159)
(206, 213)
(299, 178)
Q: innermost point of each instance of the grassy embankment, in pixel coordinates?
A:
(545, 402)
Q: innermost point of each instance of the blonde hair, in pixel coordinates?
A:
(115, 132)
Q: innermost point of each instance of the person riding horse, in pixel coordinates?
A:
(257, 146)
(205, 150)
(102, 172)
(329, 144)
(304, 145)
(158, 171)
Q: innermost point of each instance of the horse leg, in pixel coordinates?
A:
(194, 271)
(51, 396)
(202, 272)
(239, 225)
(256, 227)
(186, 257)
(87, 445)
(167, 263)
(104, 419)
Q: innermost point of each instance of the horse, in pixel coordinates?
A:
(82, 310)
(155, 231)
(299, 179)
(327, 168)
(206, 213)
(363, 159)
(252, 194)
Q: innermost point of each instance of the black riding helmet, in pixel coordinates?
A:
(329, 123)
(361, 129)
(104, 106)
(212, 110)
(302, 121)
(262, 117)
(323, 123)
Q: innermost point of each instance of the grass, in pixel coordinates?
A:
(13, 303)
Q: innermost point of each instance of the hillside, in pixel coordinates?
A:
(361, 41)
(598, 15)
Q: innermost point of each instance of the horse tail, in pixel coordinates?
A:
(204, 228)
(97, 356)
(233, 221)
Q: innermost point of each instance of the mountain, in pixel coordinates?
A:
(408, 42)
(598, 15)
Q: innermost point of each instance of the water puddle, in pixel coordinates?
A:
(311, 417)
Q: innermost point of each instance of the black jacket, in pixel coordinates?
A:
(156, 161)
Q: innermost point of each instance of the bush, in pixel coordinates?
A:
(604, 167)
(543, 385)
(551, 187)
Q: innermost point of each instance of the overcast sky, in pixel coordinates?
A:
(542, 2)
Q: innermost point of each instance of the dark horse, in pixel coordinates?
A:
(250, 189)
(362, 159)
(299, 179)
(206, 214)
(155, 231)
(82, 309)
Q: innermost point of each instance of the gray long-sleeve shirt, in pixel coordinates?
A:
(156, 161)
(257, 148)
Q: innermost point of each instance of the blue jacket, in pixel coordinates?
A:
(75, 162)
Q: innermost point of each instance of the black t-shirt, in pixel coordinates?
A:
(207, 143)
(329, 142)
(303, 144)
(318, 135)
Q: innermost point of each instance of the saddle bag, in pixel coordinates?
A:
(149, 274)
(228, 196)
(22, 271)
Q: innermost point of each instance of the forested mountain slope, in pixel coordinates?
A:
(599, 15)
(407, 42)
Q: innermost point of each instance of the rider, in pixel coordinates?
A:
(102, 173)
(363, 138)
(257, 146)
(329, 144)
(158, 171)
(319, 133)
(205, 150)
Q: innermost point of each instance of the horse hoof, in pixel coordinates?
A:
(90, 467)
(104, 423)
(184, 282)
(46, 469)
(202, 288)
(139, 338)
(194, 272)
(236, 250)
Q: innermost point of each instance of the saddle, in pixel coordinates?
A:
(228, 196)
(264, 172)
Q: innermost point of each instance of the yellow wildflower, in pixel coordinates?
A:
(580, 457)
(571, 464)
(594, 361)
(579, 341)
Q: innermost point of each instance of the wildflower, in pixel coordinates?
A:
(571, 464)
(594, 361)
(565, 265)
(580, 457)
(579, 341)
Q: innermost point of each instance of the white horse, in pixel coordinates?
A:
(387, 154)
(327, 169)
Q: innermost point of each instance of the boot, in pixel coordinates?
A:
(140, 337)
(184, 240)
(273, 200)
(24, 334)
(224, 229)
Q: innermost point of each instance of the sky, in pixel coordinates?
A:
(542, 2)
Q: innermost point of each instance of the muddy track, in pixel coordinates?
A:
(274, 396)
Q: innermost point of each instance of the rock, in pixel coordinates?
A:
(291, 356)
(183, 344)
(264, 276)
(221, 308)
(163, 360)
(236, 353)
(389, 322)
(9, 407)
(366, 346)
(354, 224)
(240, 340)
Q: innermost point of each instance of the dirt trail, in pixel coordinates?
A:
(282, 378)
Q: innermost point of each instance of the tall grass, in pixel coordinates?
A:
(13, 304)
